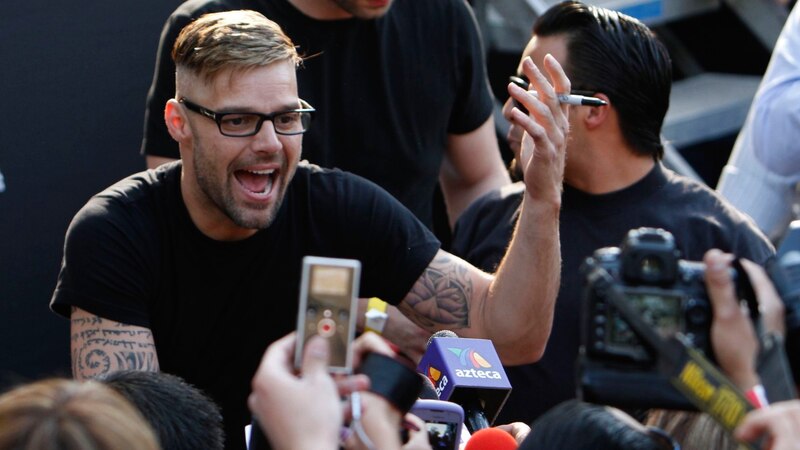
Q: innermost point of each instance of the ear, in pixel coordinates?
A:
(174, 116)
(597, 115)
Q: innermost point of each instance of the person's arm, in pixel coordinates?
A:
(99, 346)
(472, 166)
(515, 307)
(157, 145)
(409, 338)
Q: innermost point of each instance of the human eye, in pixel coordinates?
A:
(288, 121)
(238, 123)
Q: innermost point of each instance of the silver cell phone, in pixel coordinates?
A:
(328, 307)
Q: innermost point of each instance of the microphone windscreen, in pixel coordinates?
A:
(491, 439)
(428, 391)
(440, 334)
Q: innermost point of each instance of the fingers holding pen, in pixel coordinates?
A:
(543, 147)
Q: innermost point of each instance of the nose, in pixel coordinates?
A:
(267, 140)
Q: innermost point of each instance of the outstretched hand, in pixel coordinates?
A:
(287, 404)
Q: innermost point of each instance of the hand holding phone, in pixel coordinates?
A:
(328, 308)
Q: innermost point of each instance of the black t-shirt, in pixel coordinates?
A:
(133, 255)
(387, 91)
(697, 217)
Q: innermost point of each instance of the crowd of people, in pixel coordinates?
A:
(285, 128)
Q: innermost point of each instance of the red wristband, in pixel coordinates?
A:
(757, 396)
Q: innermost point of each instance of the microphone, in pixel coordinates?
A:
(467, 372)
(491, 439)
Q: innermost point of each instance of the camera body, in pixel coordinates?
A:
(668, 292)
(784, 271)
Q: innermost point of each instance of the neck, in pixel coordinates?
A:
(607, 170)
(321, 9)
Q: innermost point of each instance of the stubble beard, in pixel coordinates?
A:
(256, 217)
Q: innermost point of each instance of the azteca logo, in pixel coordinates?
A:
(468, 356)
(464, 354)
(438, 379)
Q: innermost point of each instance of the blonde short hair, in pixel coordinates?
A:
(61, 414)
(237, 40)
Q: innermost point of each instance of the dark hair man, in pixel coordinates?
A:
(194, 268)
(613, 181)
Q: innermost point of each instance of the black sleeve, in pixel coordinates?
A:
(156, 140)
(474, 100)
(108, 265)
(393, 246)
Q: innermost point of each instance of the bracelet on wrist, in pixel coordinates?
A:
(376, 315)
(757, 396)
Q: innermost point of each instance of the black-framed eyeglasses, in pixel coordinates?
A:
(243, 124)
(523, 83)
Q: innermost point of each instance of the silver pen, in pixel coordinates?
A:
(578, 100)
(569, 99)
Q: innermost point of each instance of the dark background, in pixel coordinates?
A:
(73, 82)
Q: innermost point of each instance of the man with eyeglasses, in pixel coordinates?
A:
(194, 268)
(401, 92)
(613, 181)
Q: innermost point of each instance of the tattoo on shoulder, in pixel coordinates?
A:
(99, 346)
(441, 295)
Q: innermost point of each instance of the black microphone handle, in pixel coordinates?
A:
(474, 417)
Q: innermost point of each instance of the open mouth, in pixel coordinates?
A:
(257, 182)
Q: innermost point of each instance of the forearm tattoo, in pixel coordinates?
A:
(442, 294)
(101, 346)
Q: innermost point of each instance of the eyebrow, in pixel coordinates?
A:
(246, 109)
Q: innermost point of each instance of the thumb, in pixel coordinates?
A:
(316, 356)
(719, 283)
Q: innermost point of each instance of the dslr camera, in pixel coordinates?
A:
(784, 271)
(669, 294)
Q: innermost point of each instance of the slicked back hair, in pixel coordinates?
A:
(617, 55)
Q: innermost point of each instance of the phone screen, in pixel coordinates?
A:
(443, 435)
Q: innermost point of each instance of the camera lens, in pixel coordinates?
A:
(697, 313)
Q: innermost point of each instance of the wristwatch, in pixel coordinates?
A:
(376, 315)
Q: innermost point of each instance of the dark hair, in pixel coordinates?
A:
(578, 425)
(182, 416)
(617, 55)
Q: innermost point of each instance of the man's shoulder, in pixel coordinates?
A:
(495, 209)
(696, 192)
(702, 206)
(498, 200)
(132, 199)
